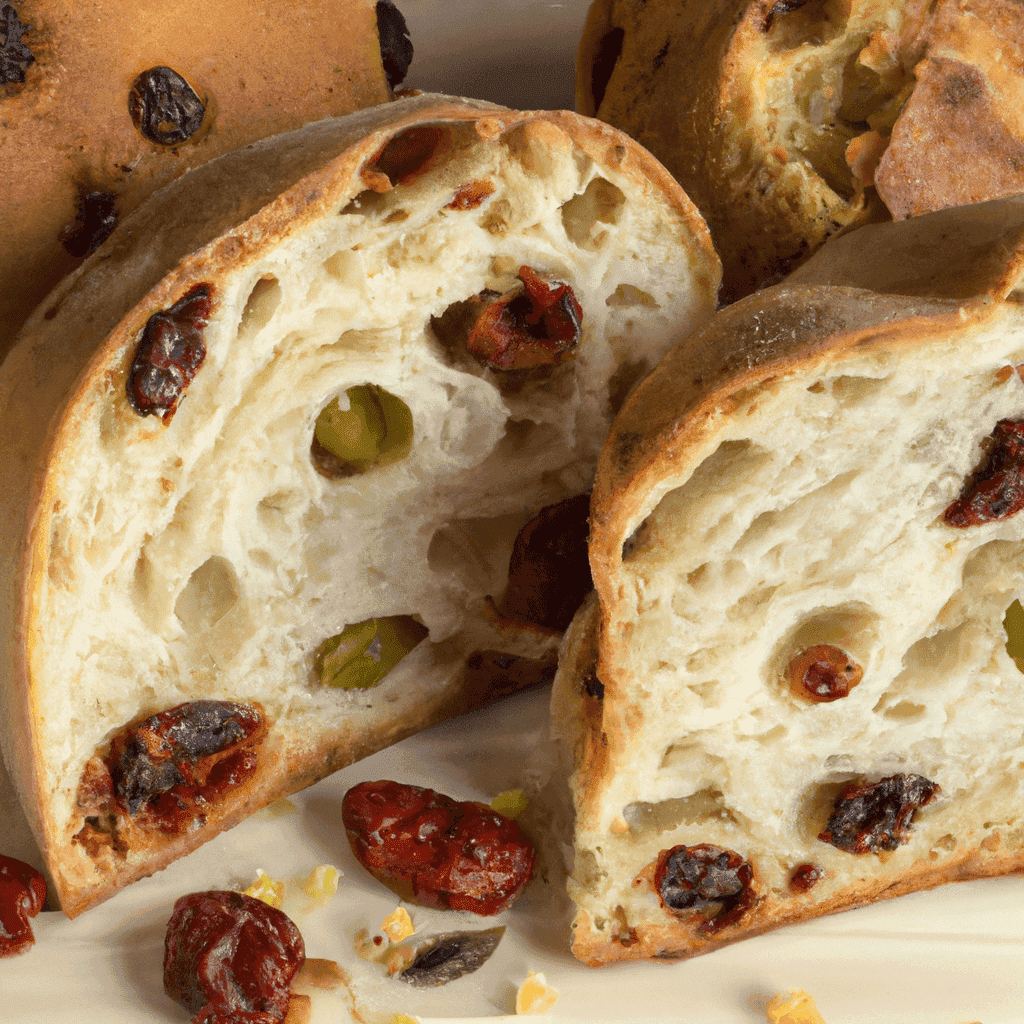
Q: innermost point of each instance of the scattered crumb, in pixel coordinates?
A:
(398, 926)
(511, 803)
(322, 883)
(267, 889)
(300, 1009)
(278, 809)
(535, 995)
(318, 974)
(402, 1018)
(796, 1008)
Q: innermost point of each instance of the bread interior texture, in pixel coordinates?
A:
(207, 557)
(813, 513)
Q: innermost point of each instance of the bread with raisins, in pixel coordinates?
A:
(790, 121)
(197, 564)
(791, 693)
(86, 137)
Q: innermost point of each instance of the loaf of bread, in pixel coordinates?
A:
(269, 452)
(104, 102)
(791, 692)
(790, 121)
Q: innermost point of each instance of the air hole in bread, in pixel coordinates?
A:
(211, 592)
(476, 550)
(583, 215)
(704, 806)
(630, 295)
(622, 382)
(809, 24)
(407, 155)
(347, 268)
(905, 710)
(851, 628)
(260, 307)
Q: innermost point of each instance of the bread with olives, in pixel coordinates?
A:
(792, 692)
(102, 103)
(271, 452)
(790, 121)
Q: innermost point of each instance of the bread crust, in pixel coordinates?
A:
(67, 129)
(835, 313)
(789, 124)
(70, 366)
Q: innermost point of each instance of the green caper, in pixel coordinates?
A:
(375, 430)
(362, 654)
(1013, 623)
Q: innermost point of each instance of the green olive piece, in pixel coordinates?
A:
(1013, 623)
(375, 430)
(361, 655)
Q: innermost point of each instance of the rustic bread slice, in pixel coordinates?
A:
(102, 103)
(176, 536)
(789, 121)
(791, 694)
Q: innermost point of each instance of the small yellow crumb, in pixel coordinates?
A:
(317, 973)
(267, 889)
(398, 926)
(403, 1018)
(370, 947)
(396, 959)
(278, 809)
(535, 995)
(300, 1010)
(322, 883)
(796, 1008)
(511, 803)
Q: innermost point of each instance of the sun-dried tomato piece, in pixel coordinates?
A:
(164, 108)
(395, 44)
(96, 218)
(703, 878)
(22, 895)
(169, 354)
(437, 851)
(538, 325)
(549, 571)
(15, 56)
(230, 958)
(823, 673)
(874, 816)
(996, 490)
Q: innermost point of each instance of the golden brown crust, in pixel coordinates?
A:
(67, 130)
(789, 124)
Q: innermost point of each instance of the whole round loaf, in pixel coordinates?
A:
(791, 693)
(85, 139)
(206, 551)
(791, 121)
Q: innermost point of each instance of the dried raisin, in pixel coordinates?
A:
(996, 490)
(230, 958)
(549, 571)
(164, 108)
(870, 817)
(823, 673)
(436, 851)
(22, 895)
(537, 325)
(805, 877)
(15, 56)
(395, 45)
(444, 958)
(703, 878)
(169, 354)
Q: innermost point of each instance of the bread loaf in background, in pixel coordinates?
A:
(202, 547)
(791, 693)
(791, 121)
(85, 138)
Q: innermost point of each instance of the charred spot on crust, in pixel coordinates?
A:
(963, 88)
(609, 49)
(871, 817)
(95, 220)
(164, 108)
(592, 686)
(779, 7)
(395, 45)
(15, 56)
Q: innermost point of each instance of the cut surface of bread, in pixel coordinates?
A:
(102, 103)
(790, 122)
(791, 693)
(262, 497)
